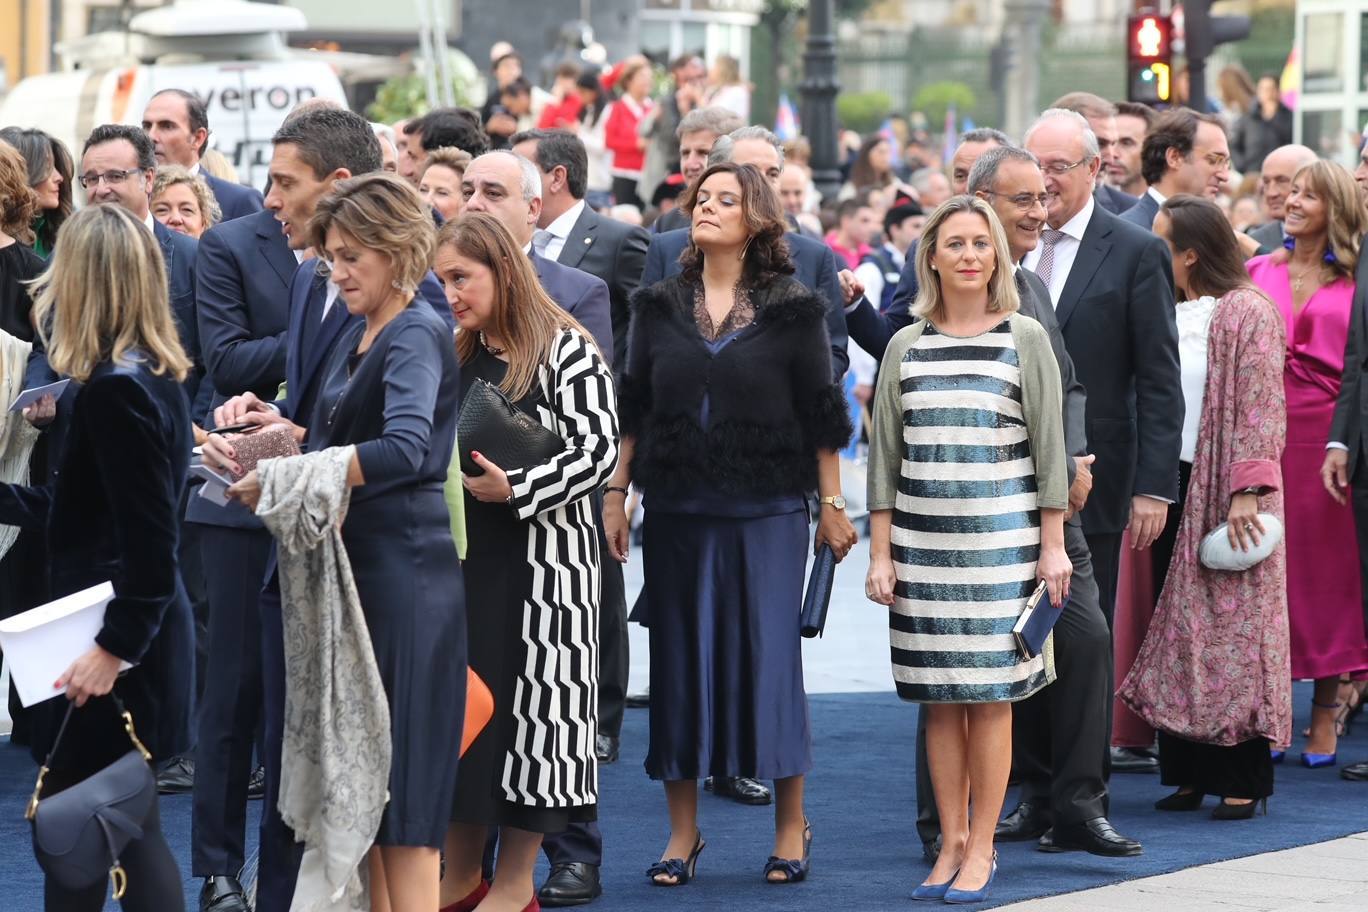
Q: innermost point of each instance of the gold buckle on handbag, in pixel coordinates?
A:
(32, 810)
(118, 882)
(133, 736)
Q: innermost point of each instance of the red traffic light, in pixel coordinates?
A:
(1149, 37)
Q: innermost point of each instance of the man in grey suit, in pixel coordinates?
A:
(1345, 470)
(1184, 152)
(1275, 183)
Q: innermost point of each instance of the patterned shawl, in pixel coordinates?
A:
(17, 436)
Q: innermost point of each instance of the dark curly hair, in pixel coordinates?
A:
(16, 198)
(767, 253)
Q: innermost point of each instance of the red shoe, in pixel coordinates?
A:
(533, 906)
(472, 900)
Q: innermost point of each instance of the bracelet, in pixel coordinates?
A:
(614, 489)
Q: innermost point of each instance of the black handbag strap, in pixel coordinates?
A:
(57, 742)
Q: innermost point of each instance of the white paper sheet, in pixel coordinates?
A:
(30, 396)
(42, 643)
(215, 487)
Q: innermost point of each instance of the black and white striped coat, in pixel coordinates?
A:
(550, 762)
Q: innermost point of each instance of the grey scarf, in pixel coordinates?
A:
(336, 759)
(17, 436)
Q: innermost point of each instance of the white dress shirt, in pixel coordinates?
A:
(1065, 250)
(560, 230)
(333, 290)
(1156, 196)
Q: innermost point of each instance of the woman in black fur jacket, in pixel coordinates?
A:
(729, 417)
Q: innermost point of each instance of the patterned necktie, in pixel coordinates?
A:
(540, 239)
(1045, 268)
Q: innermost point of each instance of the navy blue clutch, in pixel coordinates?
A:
(817, 598)
(1036, 622)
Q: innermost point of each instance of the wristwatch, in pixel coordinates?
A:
(836, 501)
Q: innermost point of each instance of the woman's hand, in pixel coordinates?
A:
(834, 528)
(218, 454)
(492, 486)
(616, 527)
(1055, 568)
(91, 675)
(247, 491)
(880, 580)
(1243, 526)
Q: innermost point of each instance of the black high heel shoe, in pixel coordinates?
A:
(681, 869)
(1180, 801)
(793, 870)
(1240, 811)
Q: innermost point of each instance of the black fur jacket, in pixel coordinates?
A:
(771, 402)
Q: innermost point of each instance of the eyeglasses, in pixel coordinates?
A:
(1024, 201)
(1218, 160)
(113, 178)
(1059, 169)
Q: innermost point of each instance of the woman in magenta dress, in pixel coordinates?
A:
(1312, 282)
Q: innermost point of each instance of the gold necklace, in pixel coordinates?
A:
(1297, 279)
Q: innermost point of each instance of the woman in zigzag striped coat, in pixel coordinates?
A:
(967, 492)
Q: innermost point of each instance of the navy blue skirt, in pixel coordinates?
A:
(727, 694)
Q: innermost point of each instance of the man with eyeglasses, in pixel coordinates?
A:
(1101, 116)
(1184, 152)
(1111, 283)
(1275, 184)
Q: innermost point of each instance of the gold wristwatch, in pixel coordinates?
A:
(836, 500)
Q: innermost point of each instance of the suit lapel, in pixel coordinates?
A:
(1092, 249)
(273, 247)
(163, 236)
(581, 238)
(319, 331)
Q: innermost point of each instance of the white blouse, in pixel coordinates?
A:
(1194, 321)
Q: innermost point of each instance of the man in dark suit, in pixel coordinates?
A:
(1062, 734)
(1275, 183)
(510, 187)
(1184, 152)
(1112, 286)
(1101, 116)
(570, 233)
(178, 123)
(1345, 471)
(313, 149)
(813, 262)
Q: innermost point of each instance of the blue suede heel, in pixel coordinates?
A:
(972, 896)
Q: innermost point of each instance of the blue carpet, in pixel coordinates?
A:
(860, 801)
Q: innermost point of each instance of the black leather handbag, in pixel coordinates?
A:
(501, 432)
(818, 596)
(79, 832)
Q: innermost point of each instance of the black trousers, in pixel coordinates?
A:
(230, 712)
(1106, 564)
(280, 854)
(190, 556)
(1242, 771)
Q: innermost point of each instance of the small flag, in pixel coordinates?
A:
(887, 133)
(1290, 83)
(951, 134)
(786, 120)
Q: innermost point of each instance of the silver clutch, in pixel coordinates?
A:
(1217, 554)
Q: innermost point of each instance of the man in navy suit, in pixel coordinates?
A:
(179, 126)
(813, 262)
(1184, 152)
(313, 150)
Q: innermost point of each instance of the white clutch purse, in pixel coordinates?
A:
(1217, 554)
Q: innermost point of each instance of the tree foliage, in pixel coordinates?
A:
(935, 98)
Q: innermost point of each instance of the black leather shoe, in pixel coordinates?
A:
(1357, 772)
(222, 894)
(1096, 837)
(572, 884)
(931, 850)
(1133, 760)
(606, 748)
(638, 701)
(1028, 821)
(740, 789)
(177, 777)
(256, 786)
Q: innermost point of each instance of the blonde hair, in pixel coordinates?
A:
(217, 164)
(170, 175)
(106, 296)
(1344, 219)
(1002, 291)
(448, 157)
(524, 317)
(383, 212)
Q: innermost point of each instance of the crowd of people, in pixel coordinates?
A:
(1070, 365)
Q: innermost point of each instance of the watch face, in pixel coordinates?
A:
(838, 502)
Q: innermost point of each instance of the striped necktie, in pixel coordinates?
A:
(1045, 268)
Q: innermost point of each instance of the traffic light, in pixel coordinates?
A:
(1149, 58)
(1201, 33)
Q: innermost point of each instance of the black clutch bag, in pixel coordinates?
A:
(79, 832)
(817, 598)
(500, 432)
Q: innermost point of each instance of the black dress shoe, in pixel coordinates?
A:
(177, 777)
(572, 884)
(222, 894)
(1096, 837)
(1357, 772)
(739, 789)
(931, 850)
(1028, 821)
(256, 786)
(606, 748)
(638, 701)
(1133, 760)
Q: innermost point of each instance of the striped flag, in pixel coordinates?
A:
(786, 120)
(951, 133)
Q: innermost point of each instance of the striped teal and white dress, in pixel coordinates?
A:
(958, 426)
